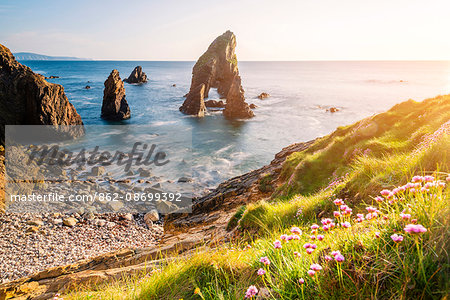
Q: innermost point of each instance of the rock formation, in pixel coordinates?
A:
(26, 98)
(137, 76)
(236, 106)
(263, 96)
(217, 68)
(195, 104)
(115, 106)
(215, 103)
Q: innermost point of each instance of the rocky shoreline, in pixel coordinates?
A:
(31, 243)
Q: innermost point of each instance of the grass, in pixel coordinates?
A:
(410, 139)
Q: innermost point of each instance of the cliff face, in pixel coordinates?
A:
(27, 98)
(216, 68)
(115, 106)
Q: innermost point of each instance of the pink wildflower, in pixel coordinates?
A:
(316, 267)
(314, 226)
(377, 234)
(261, 272)
(415, 229)
(265, 260)
(338, 202)
(301, 281)
(309, 250)
(397, 238)
(311, 273)
(405, 216)
(296, 230)
(307, 245)
(277, 244)
(346, 224)
(327, 257)
(320, 237)
(339, 258)
(385, 192)
(283, 237)
(251, 292)
(336, 214)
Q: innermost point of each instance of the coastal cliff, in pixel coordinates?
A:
(26, 98)
(217, 68)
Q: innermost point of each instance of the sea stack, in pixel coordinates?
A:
(115, 106)
(137, 76)
(26, 98)
(217, 68)
(236, 106)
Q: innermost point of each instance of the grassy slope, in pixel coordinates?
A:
(412, 138)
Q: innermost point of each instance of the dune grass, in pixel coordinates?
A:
(410, 139)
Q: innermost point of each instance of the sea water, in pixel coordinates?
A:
(295, 112)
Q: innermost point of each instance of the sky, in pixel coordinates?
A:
(265, 29)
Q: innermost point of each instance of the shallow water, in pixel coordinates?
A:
(295, 112)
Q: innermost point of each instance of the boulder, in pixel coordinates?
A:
(263, 96)
(253, 106)
(137, 76)
(333, 109)
(150, 217)
(97, 171)
(87, 87)
(70, 221)
(115, 106)
(194, 103)
(28, 99)
(215, 104)
(236, 107)
(216, 68)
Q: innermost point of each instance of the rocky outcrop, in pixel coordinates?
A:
(215, 104)
(263, 96)
(137, 76)
(217, 68)
(195, 104)
(115, 106)
(236, 106)
(26, 98)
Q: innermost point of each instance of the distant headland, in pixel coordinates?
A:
(35, 56)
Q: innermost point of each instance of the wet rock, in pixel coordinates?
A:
(27, 99)
(144, 173)
(215, 104)
(98, 171)
(194, 103)
(115, 106)
(236, 107)
(51, 77)
(157, 186)
(184, 179)
(263, 96)
(174, 85)
(253, 106)
(87, 87)
(333, 109)
(137, 76)
(70, 222)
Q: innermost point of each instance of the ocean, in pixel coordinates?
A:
(295, 112)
